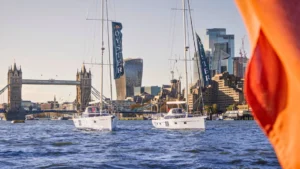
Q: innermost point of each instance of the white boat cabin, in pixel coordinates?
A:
(175, 113)
(92, 111)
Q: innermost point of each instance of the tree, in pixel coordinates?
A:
(207, 108)
(232, 107)
(214, 108)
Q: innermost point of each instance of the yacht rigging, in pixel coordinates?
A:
(94, 118)
(177, 118)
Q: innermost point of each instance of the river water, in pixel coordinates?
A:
(136, 144)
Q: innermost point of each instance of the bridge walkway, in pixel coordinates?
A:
(50, 111)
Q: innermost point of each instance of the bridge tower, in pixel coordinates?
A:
(84, 89)
(14, 81)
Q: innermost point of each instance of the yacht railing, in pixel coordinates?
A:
(158, 115)
(175, 116)
(93, 115)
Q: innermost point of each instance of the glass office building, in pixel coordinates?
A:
(132, 77)
(220, 42)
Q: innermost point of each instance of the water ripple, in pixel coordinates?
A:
(136, 144)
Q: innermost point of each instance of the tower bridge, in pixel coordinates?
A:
(15, 81)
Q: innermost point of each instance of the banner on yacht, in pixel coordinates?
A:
(203, 63)
(117, 50)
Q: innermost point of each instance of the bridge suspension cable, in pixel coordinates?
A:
(96, 94)
(3, 90)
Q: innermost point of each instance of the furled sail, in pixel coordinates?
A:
(203, 63)
(117, 50)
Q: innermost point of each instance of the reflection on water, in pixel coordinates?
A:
(136, 144)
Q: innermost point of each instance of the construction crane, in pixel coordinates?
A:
(242, 49)
(243, 55)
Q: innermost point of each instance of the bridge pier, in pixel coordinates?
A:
(15, 115)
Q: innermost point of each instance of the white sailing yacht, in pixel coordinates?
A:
(95, 118)
(178, 118)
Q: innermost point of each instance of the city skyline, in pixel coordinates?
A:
(51, 39)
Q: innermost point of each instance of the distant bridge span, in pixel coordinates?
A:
(50, 82)
(50, 111)
(74, 111)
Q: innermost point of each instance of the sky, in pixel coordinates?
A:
(51, 39)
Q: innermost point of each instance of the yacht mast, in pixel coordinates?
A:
(185, 59)
(109, 62)
(101, 99)
(197, 58)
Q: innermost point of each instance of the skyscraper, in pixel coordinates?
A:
(239, 66)
(221, 45)
(132, 77)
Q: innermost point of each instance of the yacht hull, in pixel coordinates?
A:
(96, 123)
(180, 123)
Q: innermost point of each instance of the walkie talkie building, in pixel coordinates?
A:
(132, 77)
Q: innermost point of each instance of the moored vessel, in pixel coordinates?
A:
(94, 119)
(177, 118)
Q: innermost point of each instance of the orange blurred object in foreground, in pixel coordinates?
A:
(272, 84)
